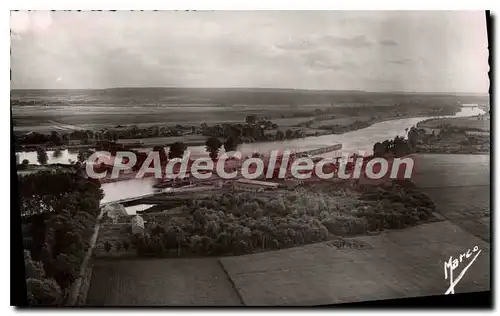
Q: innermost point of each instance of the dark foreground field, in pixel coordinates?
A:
(181, 282)
(394, 264)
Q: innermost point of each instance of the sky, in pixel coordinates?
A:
(412, 51)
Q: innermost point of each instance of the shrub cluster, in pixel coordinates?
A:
(230, 224)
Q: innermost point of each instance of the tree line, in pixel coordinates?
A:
(254, 129)
(58, 211)
(399, 146)
(241, 223)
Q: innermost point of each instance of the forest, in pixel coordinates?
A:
(242, 223)
(58, 213)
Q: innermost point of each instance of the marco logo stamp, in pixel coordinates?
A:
(453, 263)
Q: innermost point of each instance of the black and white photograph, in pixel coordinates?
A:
(250, 158)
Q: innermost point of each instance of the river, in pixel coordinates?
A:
(359, 141)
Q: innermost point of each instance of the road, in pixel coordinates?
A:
(76, 286)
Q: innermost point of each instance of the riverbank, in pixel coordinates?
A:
(53, 148)
(358, 140)
(316, 120)
(273, 220)
(352, 142)
(467, 135)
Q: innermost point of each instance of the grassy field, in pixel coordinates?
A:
(145, 117)
(467, 207)
(113, 234)
(344, 121)
(45, 110)
(394, 264)
(91, 116)
(462, 122)
(398, 264)
(442, 170)
(459, 185)
(189, 140)
(157, 282)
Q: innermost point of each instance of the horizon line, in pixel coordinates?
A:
(263, 88)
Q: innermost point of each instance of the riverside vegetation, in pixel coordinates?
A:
(58, 213)
(242, 223)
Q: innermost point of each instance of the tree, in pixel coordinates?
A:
(57, 153)
(387, 145)
(25, 163)
(61, 210)
(162, 154)
(231, 144)
(212, 146)
(251, 119)
(156, 246)
(17, 159)
(40, 289)
(107, 246)
(413, 137)
(82, 155)
(42, 157)
(176, 150)
(400, 146)
(126, 245)
(33, 269)
(44, 292)
(379, 150)
(142, 245)
(118, 246)
(299, 133)
(55, 138)
(279, 135)
(204, 128)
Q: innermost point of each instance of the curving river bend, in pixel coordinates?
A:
(358, 141)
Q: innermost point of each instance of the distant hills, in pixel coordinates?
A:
(229, 96)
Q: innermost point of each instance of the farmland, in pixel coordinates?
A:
(461, 122)
(460, 187)
(457, 184)
(191, 140)
(451, 170)
(459, 135)
(46, 110)
(396, 264)
(179, 282)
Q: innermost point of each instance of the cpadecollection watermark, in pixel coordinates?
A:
(231, 165)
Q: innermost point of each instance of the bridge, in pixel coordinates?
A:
(130, 199)
(319, 151)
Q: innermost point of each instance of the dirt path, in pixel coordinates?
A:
(75, 288)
